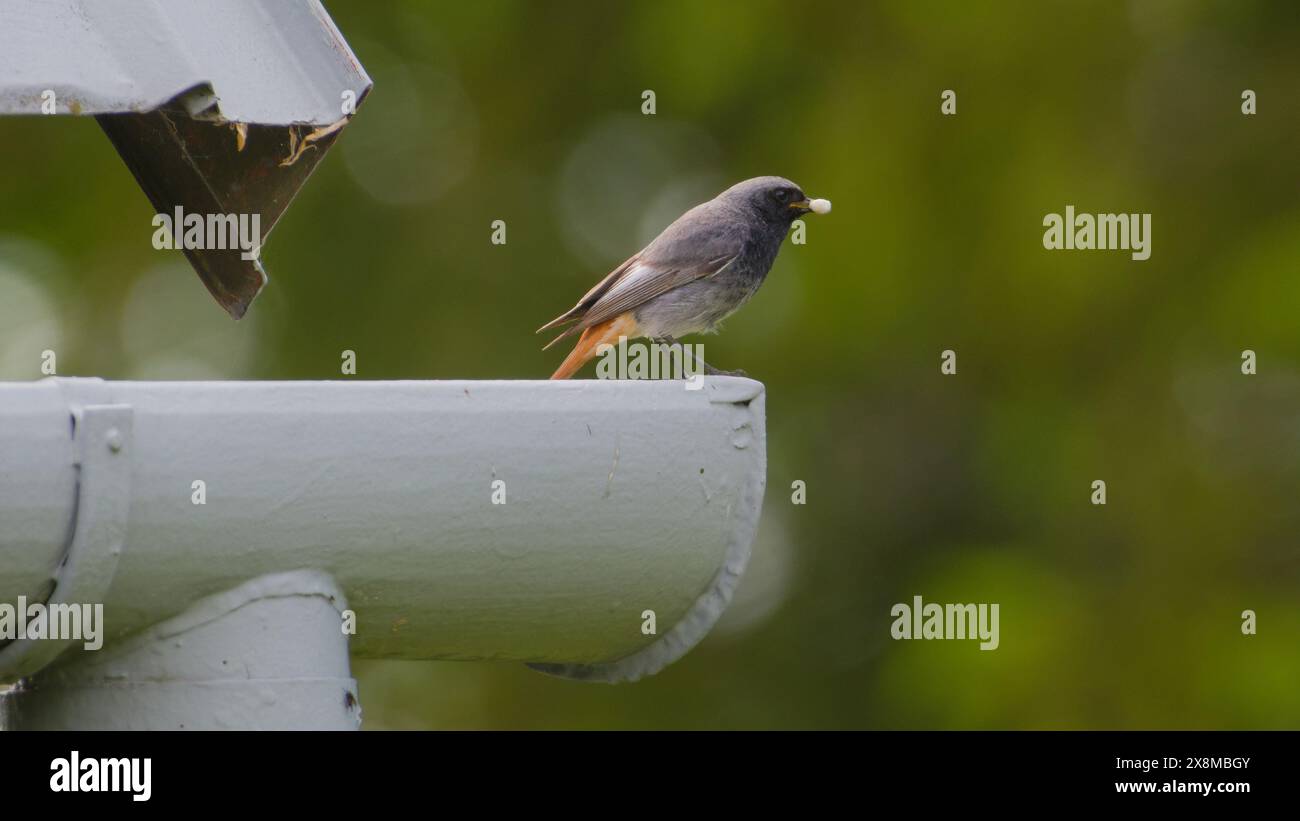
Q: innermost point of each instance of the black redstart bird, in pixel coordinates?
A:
(692, 276)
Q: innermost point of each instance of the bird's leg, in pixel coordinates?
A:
(704, 366)
(673, 343)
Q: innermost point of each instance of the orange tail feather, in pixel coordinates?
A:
(593, 338)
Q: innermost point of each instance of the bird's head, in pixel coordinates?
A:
(775, 199)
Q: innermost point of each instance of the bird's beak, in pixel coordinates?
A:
(816, 206)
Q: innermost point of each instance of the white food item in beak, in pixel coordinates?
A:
(820, 206)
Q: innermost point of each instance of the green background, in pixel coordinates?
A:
(1072, 366)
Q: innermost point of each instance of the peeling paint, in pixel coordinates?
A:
(298, 143)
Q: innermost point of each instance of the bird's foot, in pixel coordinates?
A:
(712, 371)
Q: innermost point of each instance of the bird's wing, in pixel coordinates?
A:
(589, 299)
(699, 244)
(630, 286)
(644, 281)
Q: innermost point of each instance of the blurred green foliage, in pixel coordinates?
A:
(974, 487)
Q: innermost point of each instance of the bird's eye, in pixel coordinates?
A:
(781, 194)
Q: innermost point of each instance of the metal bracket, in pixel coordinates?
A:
(103, 434)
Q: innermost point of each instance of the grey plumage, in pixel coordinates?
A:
(703, 267)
